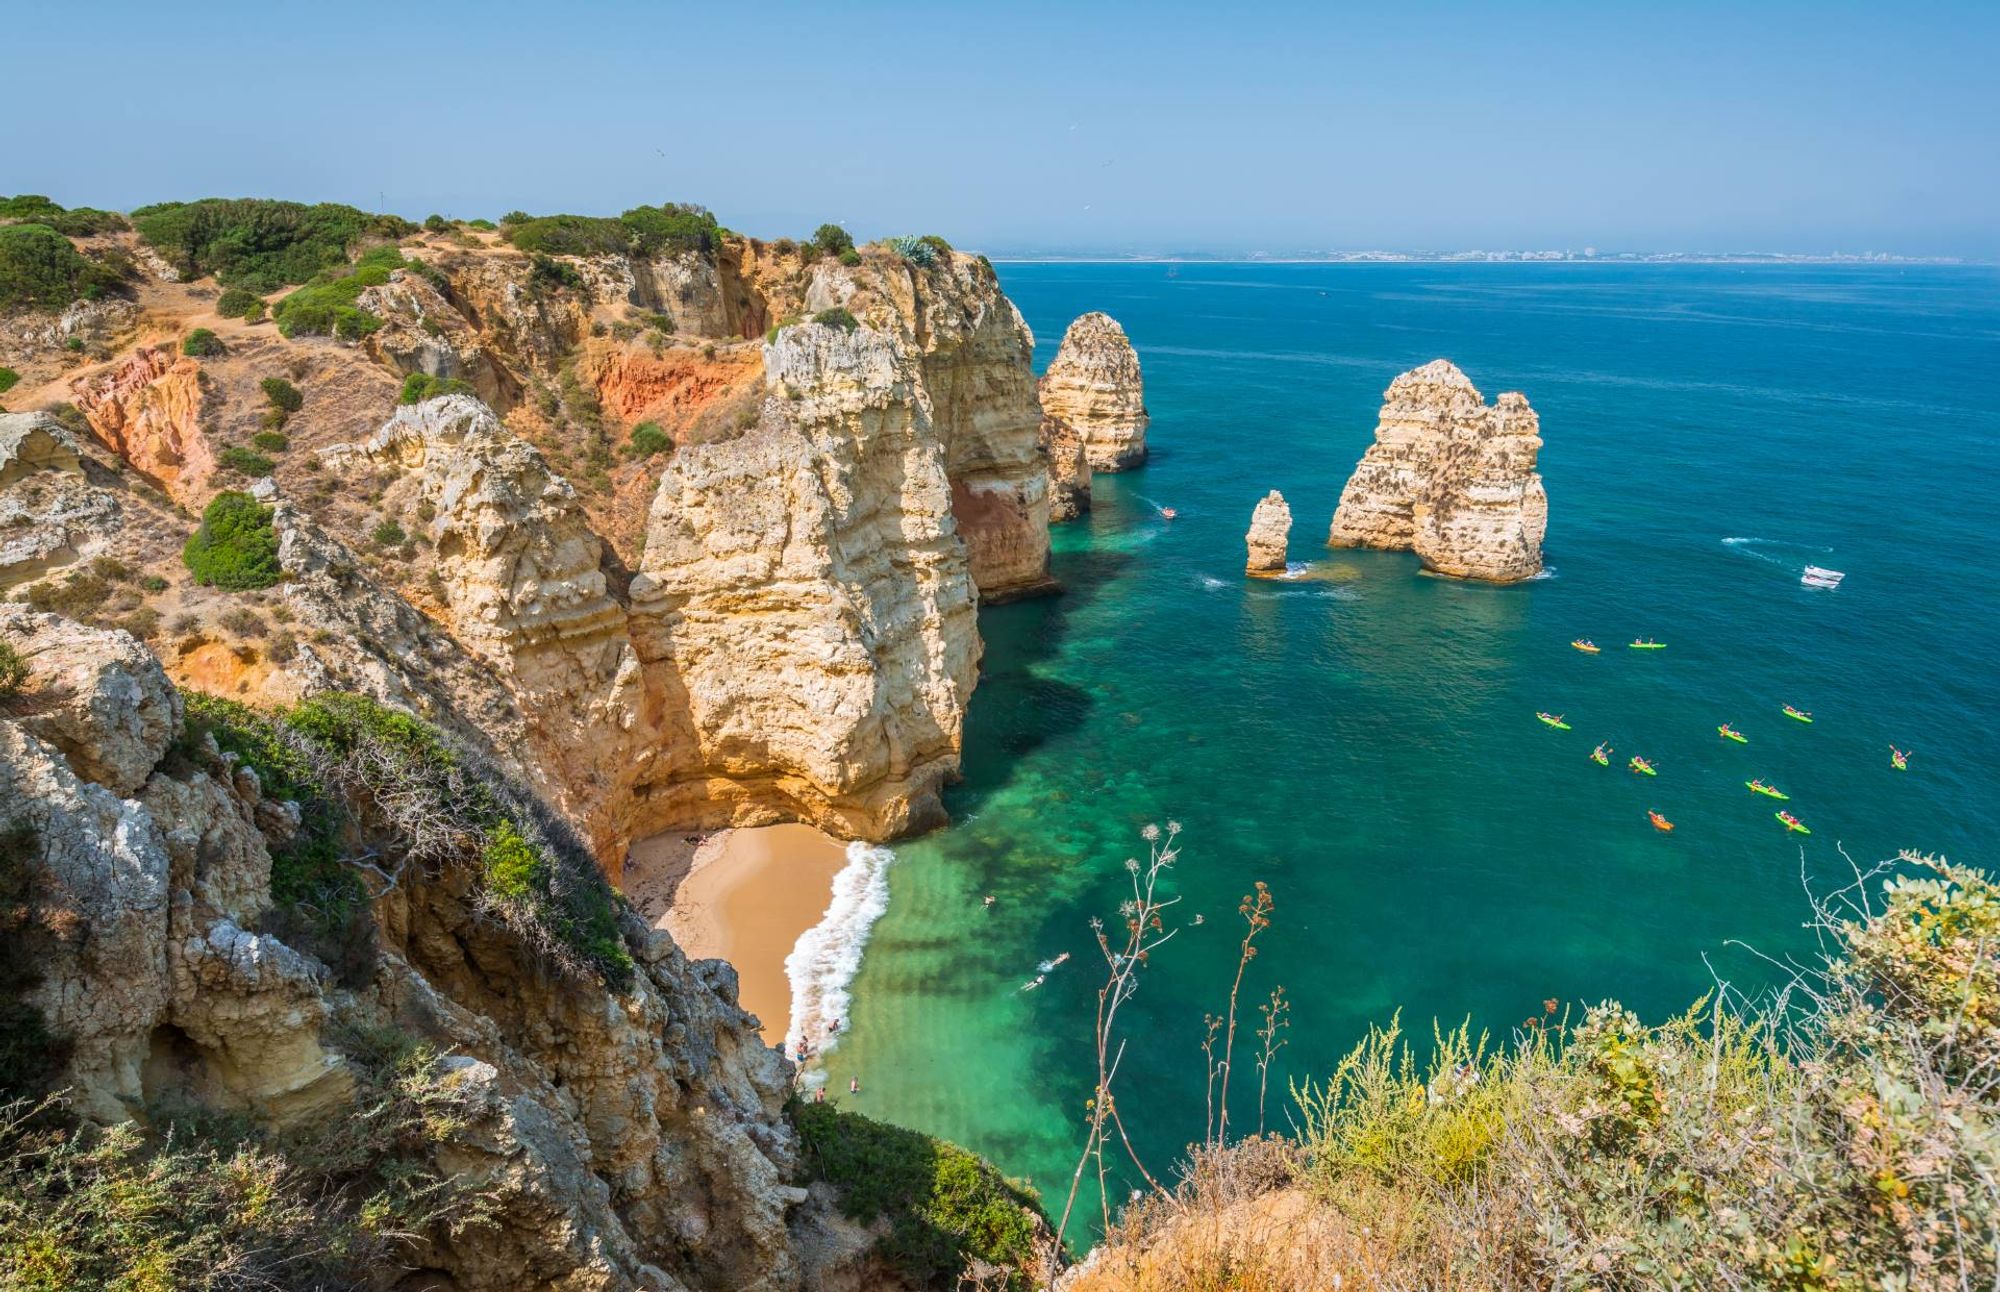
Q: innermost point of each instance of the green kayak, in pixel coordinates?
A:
(1768, 791)
(1553, 720)
(1649, 645)
(1790, 712)
(1792, 823)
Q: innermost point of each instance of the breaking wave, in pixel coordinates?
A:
(822, 965)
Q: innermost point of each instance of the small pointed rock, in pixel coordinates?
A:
(1270, 526)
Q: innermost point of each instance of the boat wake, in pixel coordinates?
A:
(823, 963)
(1774, 551)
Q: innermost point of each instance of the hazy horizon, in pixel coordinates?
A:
(1279, 129)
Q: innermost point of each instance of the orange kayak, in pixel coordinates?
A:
(1660, 823)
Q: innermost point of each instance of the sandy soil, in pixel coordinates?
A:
(744, 896)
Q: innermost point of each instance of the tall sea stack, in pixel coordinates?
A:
(1450, 478)
(1270, 527)
(1095, 387)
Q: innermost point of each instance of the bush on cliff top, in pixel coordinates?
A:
(39, 269)
(202, 343)
(259, 244)
(235, 548)
(944, 1205)
(419, 386)
(74, 222)
(326, 305)
(669, 229)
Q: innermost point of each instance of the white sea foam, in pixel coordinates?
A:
(822, 965)
(1212, 583)
(1787, 553)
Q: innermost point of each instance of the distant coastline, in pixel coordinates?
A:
(1497, 257)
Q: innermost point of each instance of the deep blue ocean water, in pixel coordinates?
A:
(1364, 739)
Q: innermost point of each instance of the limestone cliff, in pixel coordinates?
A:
(804, 608)
(1069, 469)
(1270, 526)
(619, 1137)
(148, 410)
(1094, 385)
(1450, 478)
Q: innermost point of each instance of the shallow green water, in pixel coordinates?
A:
(1364, 739)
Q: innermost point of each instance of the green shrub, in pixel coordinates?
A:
(670, 229)
(282, 394)
(839, 317)
(74, 345)
(235, 547)
(80, 595)
(255, 312)
(483, 225)
(153, 583)
(437, 224)
(832, 240)
(39, 269)
(13, 670)
(551, 274)
(419, 386)
(389, 534)
(259, 244)
(247, 462)
(943, 1205)
(661, 322)
(237, 302)
(325, 307)
(202, 344)
(648, 439)
(922, 251)
(75, 222)
(8, 379)
(272, 441)
(850, 257)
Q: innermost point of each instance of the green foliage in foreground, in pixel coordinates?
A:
(39, 269)
(1845, 1138)
(235, 547)
(8, 379)
(259, 244)
(357, 766)
(922, 251)
(237, 302)
(282, 394)
(73, 222)
(207, 1202)
(202, 343)
(648, 439)
(839, 316)
(832, 240)
(944, 1205)
(246, 461)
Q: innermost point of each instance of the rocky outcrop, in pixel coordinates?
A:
(1069, 469)
(31, 442)
(1270, 526)
(1094, 385)
(104, 704)
(521, 568)
(804, 609)
(148, 410)
(624, 1139)
(422, 331)
(1450, 478)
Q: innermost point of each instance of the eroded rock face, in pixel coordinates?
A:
(101, 697)
(1094, 385)
(32, 442)
(1450, 478)
(629, 1139)
(804, 608)
(1270, 527)
(148, 411)
(1069, 469)
(422, 331)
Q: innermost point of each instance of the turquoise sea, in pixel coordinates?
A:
(1364, 739)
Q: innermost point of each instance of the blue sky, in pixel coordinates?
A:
(1246, 127)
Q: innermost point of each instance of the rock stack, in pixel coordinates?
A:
(1069, 469)
(1094, 386)
(1270, 526)
(1450, 478)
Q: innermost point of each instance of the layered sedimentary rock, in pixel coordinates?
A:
(973, 353)
(32, 442)
(148, 410)
(1069, 469)
(50, 513)
(422, 331)
(804, 610)
(1094, 385)
(624, 1139)
(1450, 478)
(1270, 527)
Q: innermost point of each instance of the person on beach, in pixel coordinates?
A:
(854, 1085)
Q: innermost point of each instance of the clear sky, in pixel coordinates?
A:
(1075, 126)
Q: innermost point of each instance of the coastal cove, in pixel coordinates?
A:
(1363, 737)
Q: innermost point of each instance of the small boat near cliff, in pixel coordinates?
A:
(1817, 577)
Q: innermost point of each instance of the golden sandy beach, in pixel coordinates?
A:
(744, 896)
